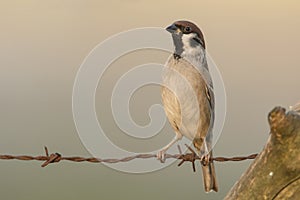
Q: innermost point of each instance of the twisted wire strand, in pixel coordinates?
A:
(57, 157)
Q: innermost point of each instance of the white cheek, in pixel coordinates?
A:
(194, 54)
(186, 40)
(189, 50)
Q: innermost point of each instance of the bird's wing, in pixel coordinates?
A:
(211, 100)
(210, 96)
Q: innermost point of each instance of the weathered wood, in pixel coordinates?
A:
(275, 173)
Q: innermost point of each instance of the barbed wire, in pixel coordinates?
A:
(188, 157)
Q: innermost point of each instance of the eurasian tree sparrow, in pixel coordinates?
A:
(186, 75)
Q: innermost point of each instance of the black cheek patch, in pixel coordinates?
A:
(198, 41)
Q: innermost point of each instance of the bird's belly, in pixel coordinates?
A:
(181, 105)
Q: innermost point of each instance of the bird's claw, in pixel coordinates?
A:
(161, 156)
(205, 159)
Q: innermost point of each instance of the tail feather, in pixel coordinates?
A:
(209, 177)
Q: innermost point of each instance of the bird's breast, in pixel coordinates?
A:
(181, 95)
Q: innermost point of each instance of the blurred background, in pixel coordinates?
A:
(255, 44)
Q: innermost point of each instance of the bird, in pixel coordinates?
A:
(188, 97)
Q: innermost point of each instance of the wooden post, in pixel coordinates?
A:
(275, 173)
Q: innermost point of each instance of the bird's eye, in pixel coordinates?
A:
(187, 29)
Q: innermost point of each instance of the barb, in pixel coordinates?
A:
(56, 157)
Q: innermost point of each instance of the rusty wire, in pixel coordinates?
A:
(56, 157)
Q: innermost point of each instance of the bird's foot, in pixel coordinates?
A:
(205, 159)
(161, 155)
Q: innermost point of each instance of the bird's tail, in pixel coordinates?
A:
(209, 176)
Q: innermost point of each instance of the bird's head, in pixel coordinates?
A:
(186, 36)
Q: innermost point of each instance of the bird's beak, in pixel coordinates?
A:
(173, 29)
